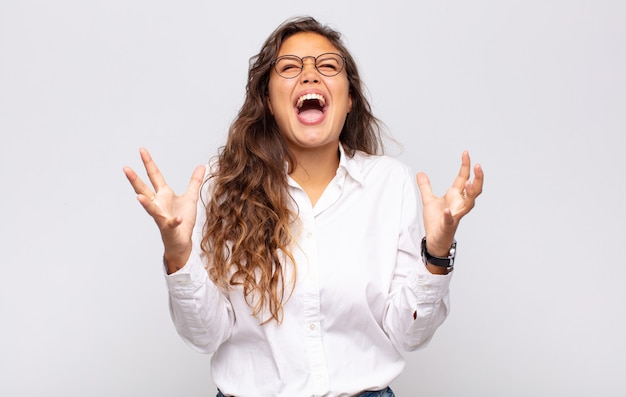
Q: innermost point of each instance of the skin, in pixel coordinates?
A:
(313, 144)
(315, 148)
(174, 215)
(443, 214)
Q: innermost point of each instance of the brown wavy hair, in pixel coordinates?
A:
(247, 235)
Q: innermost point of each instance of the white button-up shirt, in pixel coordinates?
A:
(362, 293)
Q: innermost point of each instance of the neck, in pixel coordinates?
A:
(315, 169)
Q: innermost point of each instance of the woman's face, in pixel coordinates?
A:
(310, 109)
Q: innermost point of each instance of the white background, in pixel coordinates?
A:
(536, 90)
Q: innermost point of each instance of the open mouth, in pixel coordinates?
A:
(311, 107)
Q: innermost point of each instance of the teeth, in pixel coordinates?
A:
(306, 97)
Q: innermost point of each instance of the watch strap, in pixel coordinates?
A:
(447, 261)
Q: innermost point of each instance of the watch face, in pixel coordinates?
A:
(453, 250)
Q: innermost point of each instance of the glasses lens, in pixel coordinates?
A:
(329, 64)
(288, 66)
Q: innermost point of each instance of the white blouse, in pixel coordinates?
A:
(361, 297)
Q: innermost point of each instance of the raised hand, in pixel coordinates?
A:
(174, 215)
(443, 214)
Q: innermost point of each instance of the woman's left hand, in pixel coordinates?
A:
(443, 214)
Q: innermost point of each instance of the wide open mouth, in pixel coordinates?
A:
(310, 103)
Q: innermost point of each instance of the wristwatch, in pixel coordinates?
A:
(447, 262)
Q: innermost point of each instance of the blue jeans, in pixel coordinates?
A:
(380, 393)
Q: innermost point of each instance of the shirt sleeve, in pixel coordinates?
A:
(418, 301)
(202, 314)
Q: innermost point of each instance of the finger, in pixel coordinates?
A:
(475, 187)
(154, 174)
(197, 178)
(174, 222)
(444, 236)
(423, 183)
(147, 202)
(138, 185)
(448, 218)
(464, 172)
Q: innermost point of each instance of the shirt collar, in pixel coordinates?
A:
(350, 164)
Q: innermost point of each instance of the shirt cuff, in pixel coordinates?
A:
(428, 287)
(187, 280)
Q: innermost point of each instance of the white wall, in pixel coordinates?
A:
(535, 90)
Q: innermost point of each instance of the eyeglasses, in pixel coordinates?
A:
(328, 64)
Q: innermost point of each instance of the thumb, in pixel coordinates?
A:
(423, 183)
(197, 178)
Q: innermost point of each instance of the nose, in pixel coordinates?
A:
(309, 71)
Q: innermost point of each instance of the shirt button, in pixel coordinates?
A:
(309, 235)
(312, 327)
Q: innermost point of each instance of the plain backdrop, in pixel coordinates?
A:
(535, 90)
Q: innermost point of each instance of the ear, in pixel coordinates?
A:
(349, 103)
(269, 105)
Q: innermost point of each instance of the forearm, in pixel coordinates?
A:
(417, 309)
(174, 260)
(437, 269)
(202, 315)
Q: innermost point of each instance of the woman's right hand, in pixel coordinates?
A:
(174, 215)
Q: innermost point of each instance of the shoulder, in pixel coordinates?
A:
(386, 180)
(380, 165)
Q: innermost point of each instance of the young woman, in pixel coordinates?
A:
(302, 258)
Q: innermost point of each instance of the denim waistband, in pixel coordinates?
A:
(387, 392)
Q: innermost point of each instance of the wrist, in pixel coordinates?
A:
(174, 261)
(438, 251)
(437, 269)
(439, 247)
(444, 260)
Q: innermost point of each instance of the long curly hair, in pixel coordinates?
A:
(250, 215)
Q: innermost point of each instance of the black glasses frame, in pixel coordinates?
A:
(343, 64)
